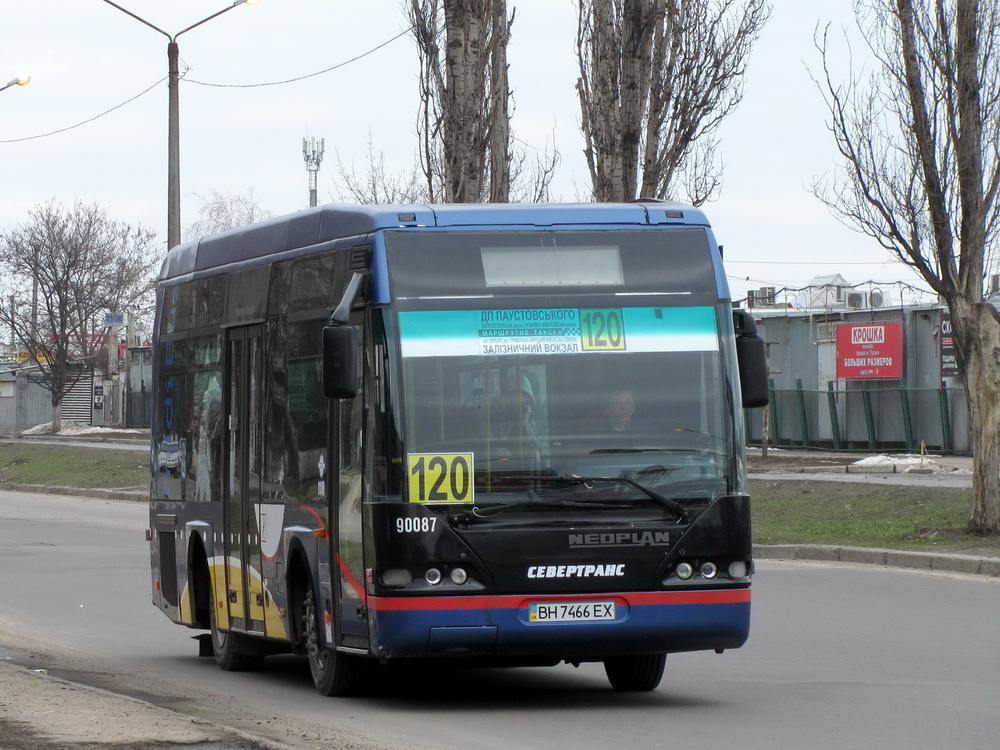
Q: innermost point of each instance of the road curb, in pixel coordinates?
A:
(972, 564)
(94, 493)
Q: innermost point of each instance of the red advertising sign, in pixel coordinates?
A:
(869, 351)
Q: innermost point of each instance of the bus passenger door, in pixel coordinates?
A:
(346, 495)
(349, 597)
(242, 495)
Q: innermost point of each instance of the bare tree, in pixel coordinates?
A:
(64, 269)
(530, 180)
(223, 211)
(657, 78)
(464, 118)
(920, 143)
(378, 185)
(531, 177)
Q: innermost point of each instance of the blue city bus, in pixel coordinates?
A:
(493, 434)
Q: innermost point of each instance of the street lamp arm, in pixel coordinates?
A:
(204, 20)
(140, 19)
(19, 81)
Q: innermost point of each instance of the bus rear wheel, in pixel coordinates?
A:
(235, 652)
(635, 673)
(333, 673)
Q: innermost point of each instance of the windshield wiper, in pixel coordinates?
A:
(493, 510)
(666, 502)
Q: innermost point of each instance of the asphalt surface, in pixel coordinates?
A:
(41, 712)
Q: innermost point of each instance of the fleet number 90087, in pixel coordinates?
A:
(416, 524)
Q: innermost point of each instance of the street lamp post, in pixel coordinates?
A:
(173, 117)
(19, 81)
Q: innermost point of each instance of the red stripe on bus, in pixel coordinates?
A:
(345, 571)
(319, 518)
(398, 603)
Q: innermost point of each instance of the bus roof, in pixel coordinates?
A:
(323, 224)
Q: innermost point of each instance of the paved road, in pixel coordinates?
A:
(840, 656)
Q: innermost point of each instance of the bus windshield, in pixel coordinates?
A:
(519, 403)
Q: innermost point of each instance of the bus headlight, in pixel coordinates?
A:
(738, 569)
(684, 570)
(433, 576)
(709, 570)
(396, 577)
(459, 576)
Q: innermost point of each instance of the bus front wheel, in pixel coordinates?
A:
(635, 673)
(235, 652)
(333, 673)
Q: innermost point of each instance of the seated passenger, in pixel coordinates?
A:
(620, 409)
(516, 428)
(617, 426)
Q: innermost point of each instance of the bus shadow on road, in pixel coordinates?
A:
(421, 687)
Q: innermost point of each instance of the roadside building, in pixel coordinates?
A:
(851, 368)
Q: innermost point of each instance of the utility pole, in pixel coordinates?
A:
(312, 152)
(173, 116)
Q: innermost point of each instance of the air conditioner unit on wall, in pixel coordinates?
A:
(857, 300)
(865, 300)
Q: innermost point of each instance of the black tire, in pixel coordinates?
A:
(635, 673)
(235, 652)
(333, 673)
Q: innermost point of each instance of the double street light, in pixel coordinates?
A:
(173, 118)
(19, 81)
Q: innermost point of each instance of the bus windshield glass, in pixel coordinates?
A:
(593, 388)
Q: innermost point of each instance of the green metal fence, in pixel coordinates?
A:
(139, 409)
(871, 415)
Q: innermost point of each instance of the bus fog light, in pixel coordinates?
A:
(459, 576)
(738, 569)
(396, 577)
(433, 576)
(709, 570)
(684, 571)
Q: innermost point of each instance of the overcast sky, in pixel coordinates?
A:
(85, 58)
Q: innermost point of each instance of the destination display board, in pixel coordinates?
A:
(557, 331)
(870, 351)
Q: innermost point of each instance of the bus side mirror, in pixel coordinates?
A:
(751, 359)
(340, 361)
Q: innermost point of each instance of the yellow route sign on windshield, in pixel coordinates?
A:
(440, 477)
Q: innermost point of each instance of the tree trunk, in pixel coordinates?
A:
(499, 131)
(639, 23)
(464, 147)
(980, 327)
(56, 416)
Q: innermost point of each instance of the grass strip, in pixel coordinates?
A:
(71, 466)
(866, 514)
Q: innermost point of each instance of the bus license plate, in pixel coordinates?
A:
(570, 611)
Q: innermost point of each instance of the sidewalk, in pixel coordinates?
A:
(928, 561)
(40, 711)
(783, 460)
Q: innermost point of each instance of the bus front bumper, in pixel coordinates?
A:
(509, 625)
